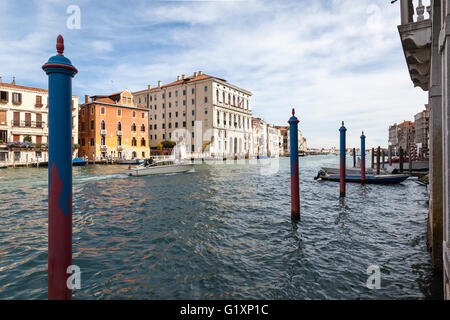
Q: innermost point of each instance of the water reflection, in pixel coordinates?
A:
(221, 232)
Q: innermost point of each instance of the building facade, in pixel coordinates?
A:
(205, 114)
(113, 127)
(24, 123)
(425, 37)
(273, 141)
(259, 133)
(286, 142)
(421, 122)
(393, 139)
(406, 135)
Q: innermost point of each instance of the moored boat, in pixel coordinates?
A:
(336, 170)
(78, 162)
(369, 179)
(160, 167)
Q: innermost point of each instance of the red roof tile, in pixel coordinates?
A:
(189, 79)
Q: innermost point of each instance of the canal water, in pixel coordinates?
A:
(222, 231)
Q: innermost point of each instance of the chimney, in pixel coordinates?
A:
(178, 78)
(183, 76)
(86, 98)
(159, 83)
(195, 74)
(14, 80)
(200, 73)
(149, 87)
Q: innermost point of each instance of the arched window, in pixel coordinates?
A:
(103, 125)
(133, 127)
(142, 142)
(119, 126)
(217, 96)
(133, 142)
(142, 127)
(229, 98)
(119, 140)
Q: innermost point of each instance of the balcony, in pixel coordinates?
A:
(103, 147)
(415, 35)
(38, 105)
(119, 148)
(119, 132)
(103, 131)
(27, 124)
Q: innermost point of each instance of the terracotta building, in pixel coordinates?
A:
(113, 127)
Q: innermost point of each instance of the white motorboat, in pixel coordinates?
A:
(160, 167)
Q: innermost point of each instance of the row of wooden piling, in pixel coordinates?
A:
(381, 156)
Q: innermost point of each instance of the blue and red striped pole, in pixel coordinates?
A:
(295, 188)
(363, 157)
(60, 72)
(342, 160)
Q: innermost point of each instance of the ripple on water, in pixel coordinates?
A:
(221, 232)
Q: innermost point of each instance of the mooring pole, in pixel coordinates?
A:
(363, 157)
(354, 157)
(342, 131)
(410, 161)
(400, 154)
(60, 72)
(295, 188)
(383, 154)
(378, 159)
(373, 158)
(390, 155)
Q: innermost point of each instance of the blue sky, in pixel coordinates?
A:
(332, 60)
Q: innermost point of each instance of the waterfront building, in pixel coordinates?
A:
(113, 127)
(421, 122)
(259, 134)
(286, 144)
(401, 135)
(24, 124)
(205, 114)
(273, 141)
(425, 40)
(393, 139)
(406, 135)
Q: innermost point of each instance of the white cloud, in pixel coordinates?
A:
(101, 46)
(332, 60)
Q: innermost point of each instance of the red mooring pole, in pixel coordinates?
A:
(295, 188)
(60, 72)
(363, 157)
(342, 131)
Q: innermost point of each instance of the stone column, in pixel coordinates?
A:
(445, 55)
(435, 215)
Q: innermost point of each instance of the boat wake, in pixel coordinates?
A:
(98, 178)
